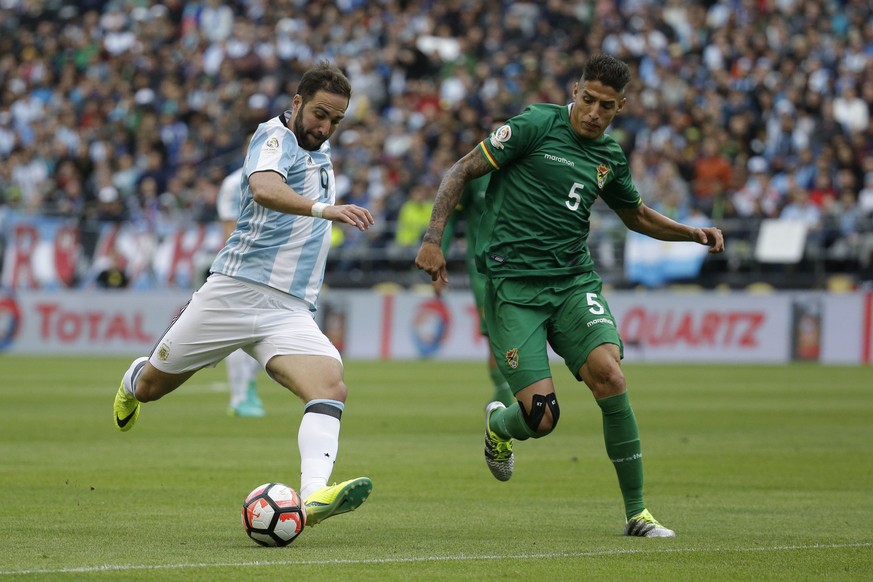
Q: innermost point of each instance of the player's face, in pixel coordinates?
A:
(594, 107)
(315, 120)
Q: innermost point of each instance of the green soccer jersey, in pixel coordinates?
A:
(471, 207)
(539, 198)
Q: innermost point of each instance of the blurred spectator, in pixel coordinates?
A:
(850, 110)
(801, 209)
(674, 195)
(125, 174)
(111, 273)
(30, 175)
(757, 198)
(8, 138)
(712, 175)
(804, 167)
(851, 246)
(110, 206)
(214, 19)
(822, 192)
(784, 138)
(412, 220)
(865, 197)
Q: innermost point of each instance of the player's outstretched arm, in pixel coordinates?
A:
(270, 191)
(430, 256)
(649, 222)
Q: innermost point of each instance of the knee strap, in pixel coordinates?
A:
(538, 410)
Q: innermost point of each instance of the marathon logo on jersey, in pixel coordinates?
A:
(552, 158)
(602, 173)
(512, 358)
(500, 136)
(272, 144)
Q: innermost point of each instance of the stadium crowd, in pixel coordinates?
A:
(135, 110)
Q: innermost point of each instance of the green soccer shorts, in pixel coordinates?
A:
(524, 314)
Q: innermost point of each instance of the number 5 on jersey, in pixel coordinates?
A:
(574, 197)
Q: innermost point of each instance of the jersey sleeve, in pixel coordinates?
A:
(271, 148)
(512, 139)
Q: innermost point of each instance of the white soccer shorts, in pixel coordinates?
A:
(226, 314)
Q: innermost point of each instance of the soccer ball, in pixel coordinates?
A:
(273, 514)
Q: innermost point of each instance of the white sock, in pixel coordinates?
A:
(131, 375)
(241, 369)
(318, 441)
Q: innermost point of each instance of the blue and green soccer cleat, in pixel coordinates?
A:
(247, 409)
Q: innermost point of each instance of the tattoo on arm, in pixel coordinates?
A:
(467, 168)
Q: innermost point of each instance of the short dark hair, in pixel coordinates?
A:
(324, 77)
(607, 69)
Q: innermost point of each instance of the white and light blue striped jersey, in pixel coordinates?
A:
(284, 251)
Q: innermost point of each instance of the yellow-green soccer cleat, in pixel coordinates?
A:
(335, 499)
(643, 525)
(126, 410)
(498, 452)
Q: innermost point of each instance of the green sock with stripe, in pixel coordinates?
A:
(622, 439)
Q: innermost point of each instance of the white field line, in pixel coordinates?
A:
(420, 559)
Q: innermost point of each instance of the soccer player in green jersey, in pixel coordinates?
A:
(548, 165)
(470, 208)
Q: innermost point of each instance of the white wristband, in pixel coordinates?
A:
(318, 209)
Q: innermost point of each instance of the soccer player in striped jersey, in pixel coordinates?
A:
(548, 166)
(263, 289)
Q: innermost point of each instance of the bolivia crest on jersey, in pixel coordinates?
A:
(602, 173)
(512, 358)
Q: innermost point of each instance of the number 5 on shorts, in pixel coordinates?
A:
(594, 306)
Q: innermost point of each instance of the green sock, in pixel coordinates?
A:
(509, 423)
(502, 391)
(622, 438)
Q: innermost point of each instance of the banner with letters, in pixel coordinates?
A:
(46, 253)
(40, 253)
(86, 322)
(655, 326)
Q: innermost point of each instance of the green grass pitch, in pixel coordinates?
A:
(765, 472)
